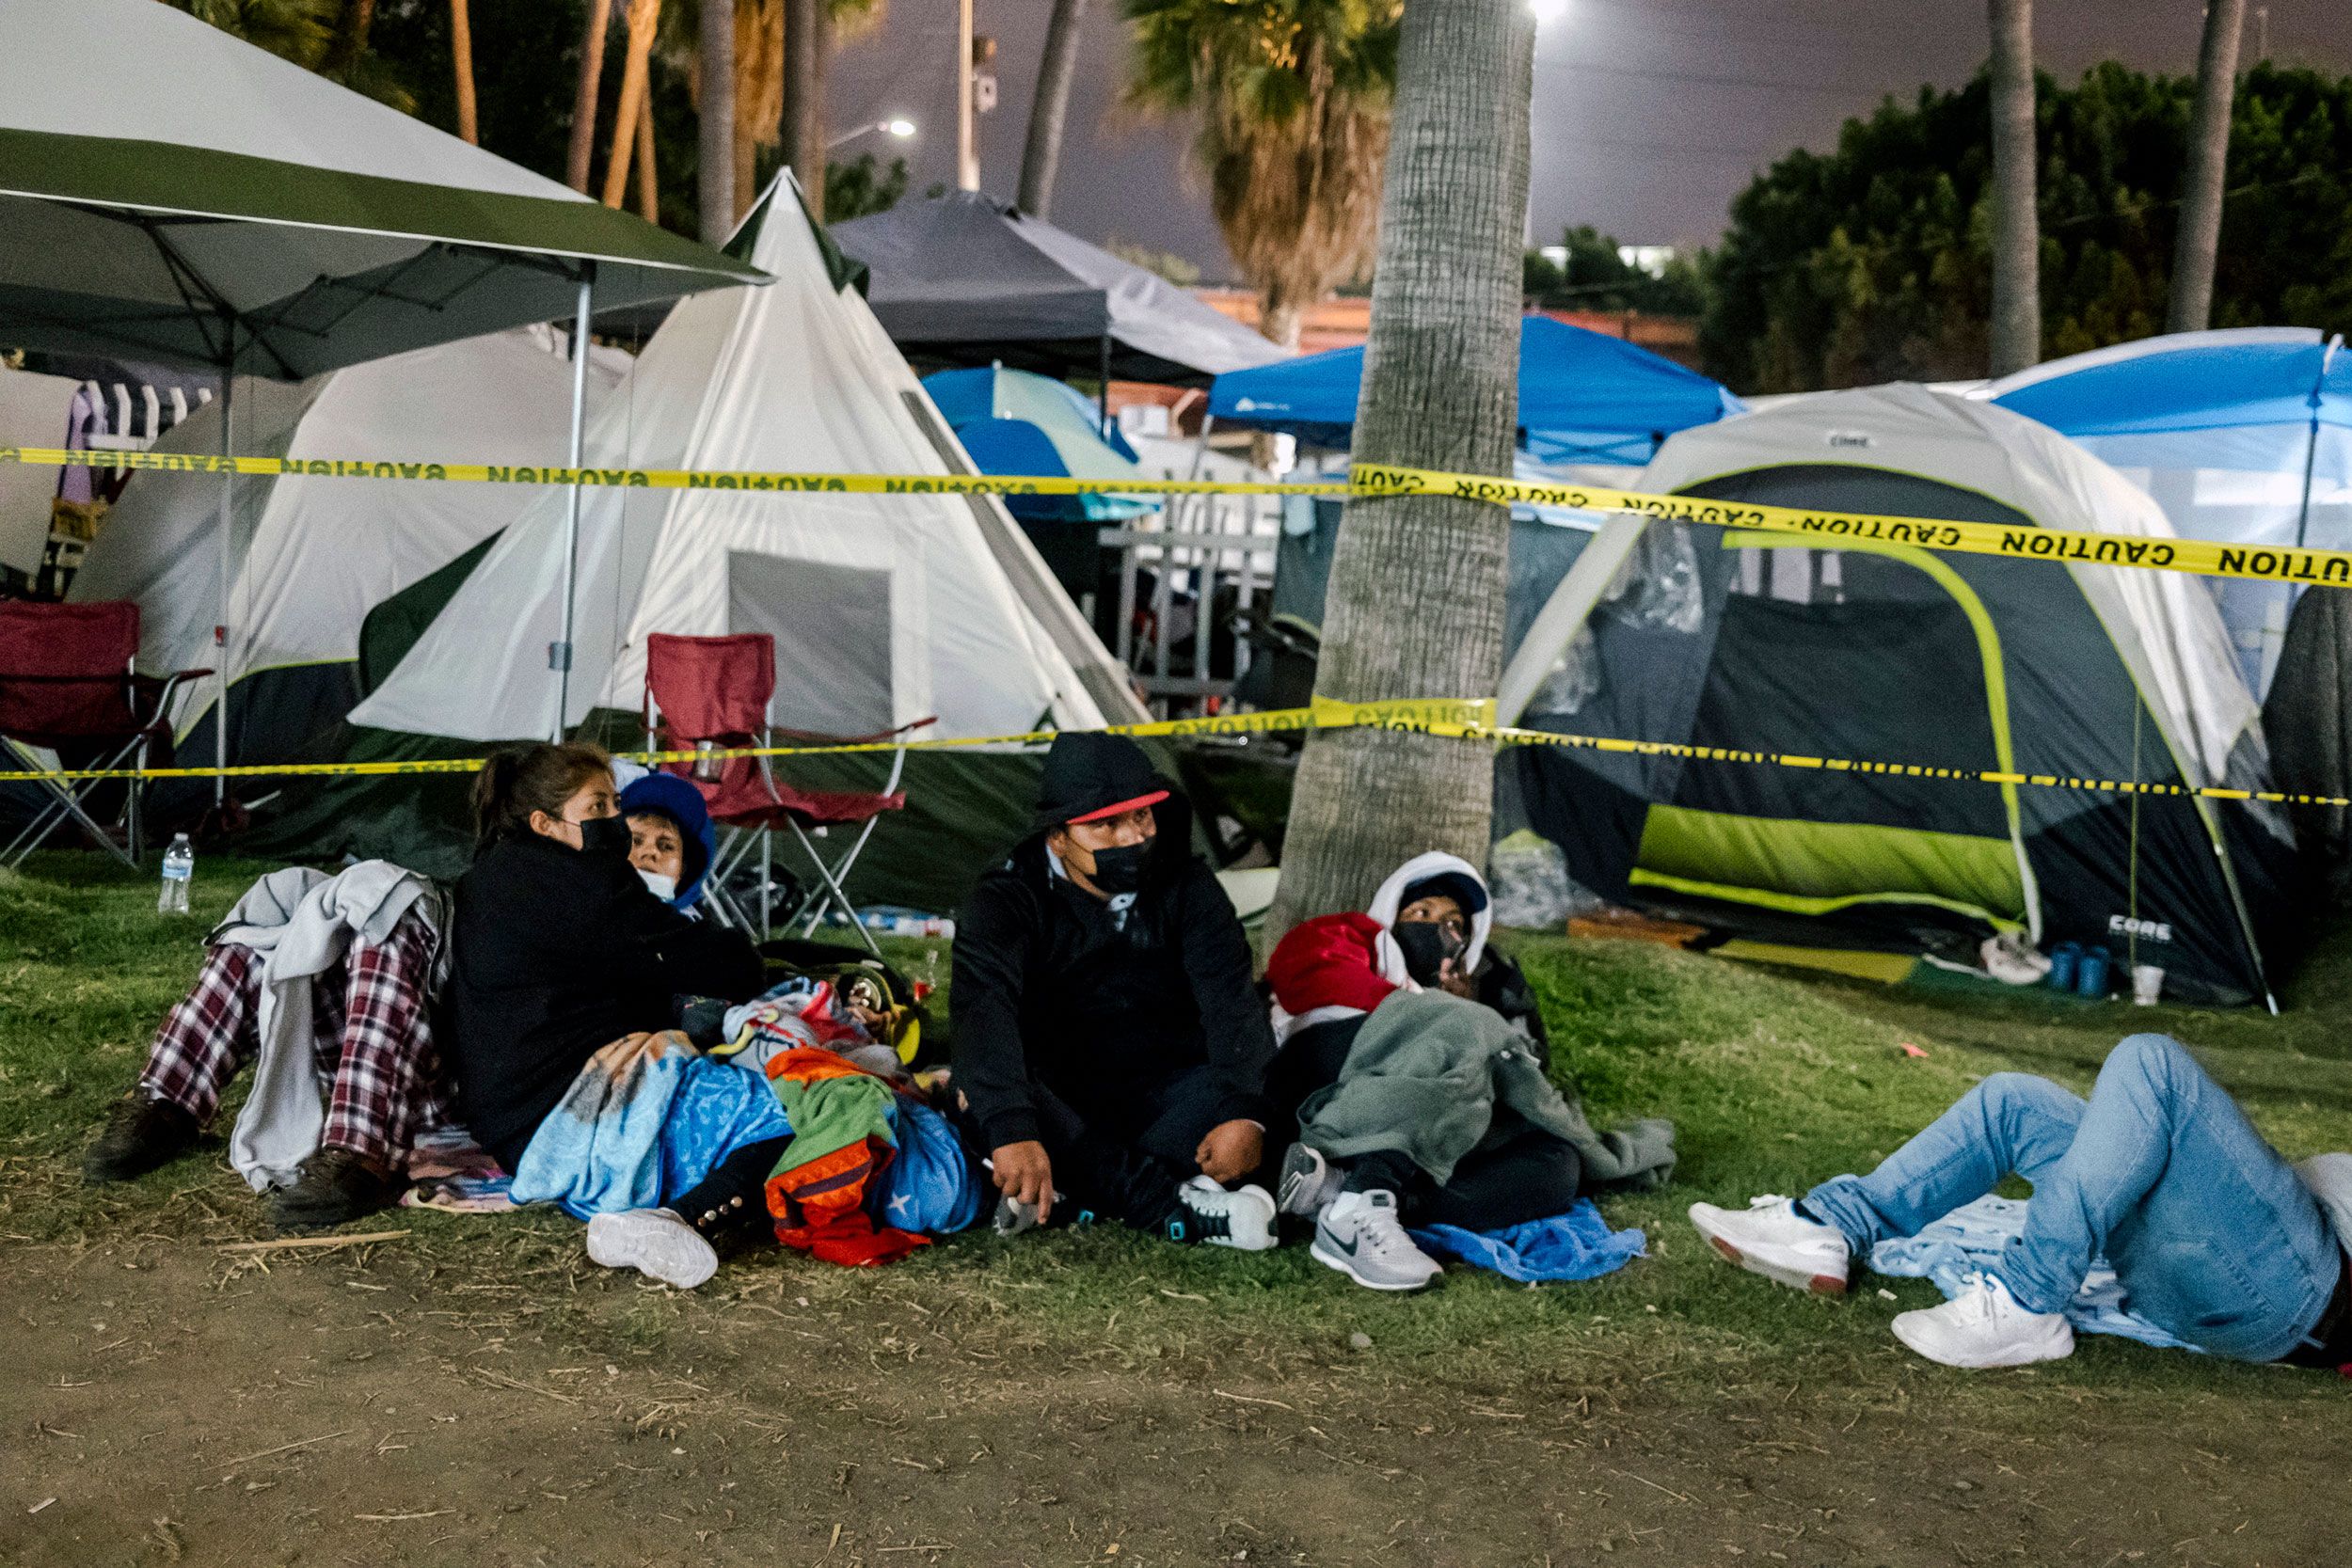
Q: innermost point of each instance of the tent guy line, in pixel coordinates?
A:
(2020, 542)
(1464, 719)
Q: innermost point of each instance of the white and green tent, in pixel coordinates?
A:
(884, 609)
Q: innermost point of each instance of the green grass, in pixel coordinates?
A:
(1776, 1080)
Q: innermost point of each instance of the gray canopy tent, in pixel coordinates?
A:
(287, 227)
(963, 280)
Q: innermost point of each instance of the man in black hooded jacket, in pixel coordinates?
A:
(1110, 1050)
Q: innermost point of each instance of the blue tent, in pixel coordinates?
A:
(2242, 437)
(1016, 422)
(1584, 397)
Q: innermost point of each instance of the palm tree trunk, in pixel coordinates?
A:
(715, 122)
(648, 177)
(584, 100)
(1416, 602)
(1051, 107)
(351, 36)
(803, 121)
(2016, 325)
(2190, 306)
(461, 58)
(643, 16)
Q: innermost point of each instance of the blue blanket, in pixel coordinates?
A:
(1971, 1238)
(633, 1142)
(1578, 1244)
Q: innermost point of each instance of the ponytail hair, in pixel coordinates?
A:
(517, 781)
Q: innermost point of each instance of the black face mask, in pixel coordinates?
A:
(605, 835)
(1120, 868)
(1426, 947)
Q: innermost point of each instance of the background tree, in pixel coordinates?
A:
(2016, 324)
(1294, 100)
(807, 25)
(2190, 302)
(595, 28)
(1873, 263)
(461, 65)
(1058, 67)
(1416, 585)
(1596, 278)
(644, 20)
(330, 37)
(714, 120)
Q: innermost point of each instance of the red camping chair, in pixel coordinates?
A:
(717, 689)
(69, 678)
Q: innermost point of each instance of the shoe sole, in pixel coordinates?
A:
(1796, 1279)
(2058, 1349)
(1341, 1262)
(659, 1249)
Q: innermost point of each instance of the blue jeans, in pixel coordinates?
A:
(2213, 1237)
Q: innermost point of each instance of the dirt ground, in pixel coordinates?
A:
(170, 1401)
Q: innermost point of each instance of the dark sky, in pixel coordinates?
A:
(1649, 115)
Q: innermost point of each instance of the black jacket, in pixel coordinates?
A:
(1049, 987)
(555, 953)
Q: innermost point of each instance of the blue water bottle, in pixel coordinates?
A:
(2064, 957)
(2091, 975)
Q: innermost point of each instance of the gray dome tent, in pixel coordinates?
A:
(1893, 654)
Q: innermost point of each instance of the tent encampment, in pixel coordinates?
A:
(885, 609)
(963, 280)
(1586, 398)
(1890, 654)
(310, 555)
(2242, 436)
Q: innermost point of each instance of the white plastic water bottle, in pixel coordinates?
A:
(179, 871)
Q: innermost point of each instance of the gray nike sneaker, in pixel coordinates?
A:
(1359, 1235)
(1307, 1181)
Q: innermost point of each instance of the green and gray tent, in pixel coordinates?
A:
(1888, 653)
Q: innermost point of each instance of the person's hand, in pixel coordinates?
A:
(1025, 1172)
(1454, 982)
(1231, 1150)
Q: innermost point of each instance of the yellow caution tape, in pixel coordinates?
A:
(1467, 719)
(2024, 542)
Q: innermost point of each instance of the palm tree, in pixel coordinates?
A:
(297, 30)
(461, 56)
(1051, 107)
(2016, 233)
(645, 16)
(583, 145)
(1294, 98)
(802, 119)
(2191, 303)
(1416, 600)
(714, 107)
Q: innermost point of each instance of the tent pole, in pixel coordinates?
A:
(1102, 398)
(227, 536)
(559, 653)
(2310, 448)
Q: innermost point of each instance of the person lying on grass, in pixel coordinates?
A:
(565, 968)
(324, 982)
(2214, 1238)
(1110, 1051)
(1418, 1105)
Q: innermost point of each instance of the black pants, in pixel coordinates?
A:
(733, 1195)
(1526, 1174)
(1121, 1148)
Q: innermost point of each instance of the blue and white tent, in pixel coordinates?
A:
(2243, 437)
(1586, 398)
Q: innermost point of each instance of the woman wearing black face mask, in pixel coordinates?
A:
(1436, 908)
(558, 950)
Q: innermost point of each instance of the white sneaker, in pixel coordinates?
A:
(1983, 1326)
(1771, 1239)
(1361, 1235)
(654, 1242)
(1209, 1215)
(1307, 1181)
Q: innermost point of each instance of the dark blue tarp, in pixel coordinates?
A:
(1584, 397)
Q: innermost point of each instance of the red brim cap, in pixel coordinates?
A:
(1098, 814)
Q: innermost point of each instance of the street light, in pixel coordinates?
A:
(898, 126)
